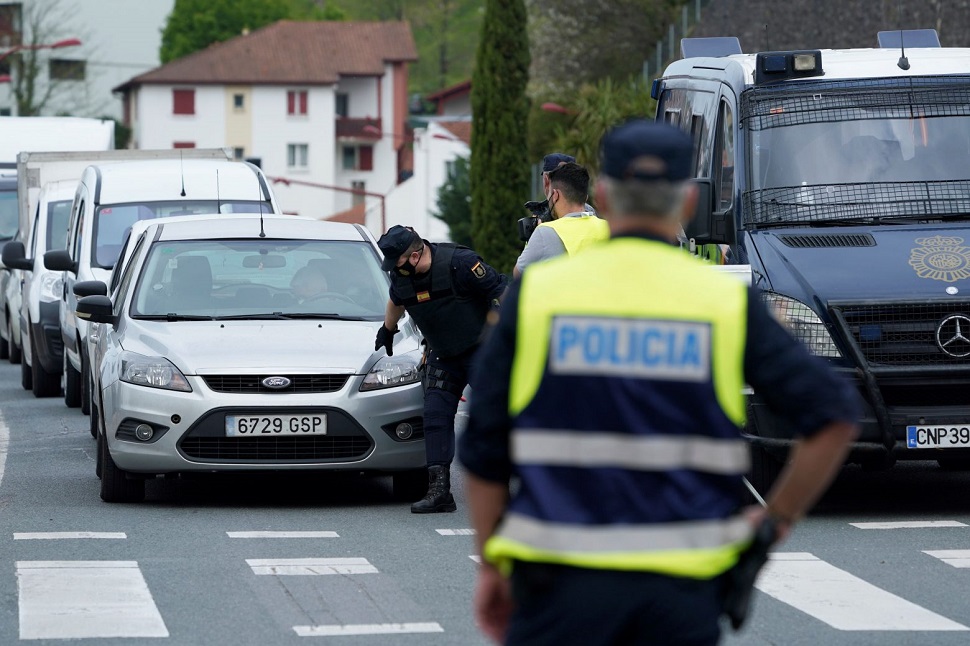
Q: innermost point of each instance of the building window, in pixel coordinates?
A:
(358, 158)
(183, 101)
(4, 112)
(358, 197)
(450, 169)
(296, 102)
(296, 155)
(238, 153)
(238, 102)
(184, 144)
(11, 24)
(63, 69)
(343, 105)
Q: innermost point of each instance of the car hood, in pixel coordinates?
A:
(255, 347)
(855, 263)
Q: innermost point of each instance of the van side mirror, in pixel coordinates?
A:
(708, 227)
(60, 260)
(90, 288)
(96, 309)
(14, 256)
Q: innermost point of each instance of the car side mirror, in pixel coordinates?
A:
(708, 227)
(60, 260)
(14, 256)
(90, 288)
(96, 309)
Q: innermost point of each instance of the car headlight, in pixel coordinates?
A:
(388, 372)
(153, 372)
(803, 324)
(51, 287)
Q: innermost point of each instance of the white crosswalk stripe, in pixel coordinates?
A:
(956, 558)
(841, 599)
(367, 629)
(456, 532)
(85, 599)
(311, 566)
(910, 524)
(53, 536)
(292, 534)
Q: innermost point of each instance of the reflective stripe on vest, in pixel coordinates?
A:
(597, 449)
(580, 231)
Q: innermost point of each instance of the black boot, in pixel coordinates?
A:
(438, 498)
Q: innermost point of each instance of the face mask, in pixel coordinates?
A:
(408, 269)
(552, 205)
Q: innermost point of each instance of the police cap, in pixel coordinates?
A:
(646, 150)
(394, 243)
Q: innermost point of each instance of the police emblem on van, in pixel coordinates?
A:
(941, 258)
(276, 383)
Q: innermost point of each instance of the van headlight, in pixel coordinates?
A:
(153, 372)
(51, 287)
(803, 324)
(388, 372)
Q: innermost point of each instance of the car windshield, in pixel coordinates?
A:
(58, 219)
(112, 221)
(260, 279)
(9, 220)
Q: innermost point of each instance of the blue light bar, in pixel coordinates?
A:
(909, 38)
(710, 47)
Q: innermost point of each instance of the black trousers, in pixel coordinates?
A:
(441, 405)
(560, 605)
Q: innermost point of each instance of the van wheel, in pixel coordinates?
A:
(72, 384)
(85, 387)
(45, 384)
(116, 486)
(765, 469)
(26, 376)
(409, 486)
(14, 354)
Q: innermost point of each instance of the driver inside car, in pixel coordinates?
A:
(308, 283)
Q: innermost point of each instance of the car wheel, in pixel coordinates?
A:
(98, 456)
(44, 384)
(94, 419)
(116, 486)
(410, 485)
(13, 354)
(72, 384)
(85, 387)
(26, 376)
(765, 469)
(4, 348)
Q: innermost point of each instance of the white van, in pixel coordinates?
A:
(110, 197)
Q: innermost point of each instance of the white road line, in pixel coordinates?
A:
(85, 599)
(842, 600)
(456, 532)
(956, 558)
(367, 629)
(476, 558)
(4, 444)
(910, 524)
(310, 567)
(32, 536)
(282, 534)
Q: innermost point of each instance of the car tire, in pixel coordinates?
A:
(26, 376)
(765, 469)
(85, 387)
(116, 486)
(72, 384)
(94, 419)
(13, 354)
(98, 453)
(4, 348)
(409, 486)
(43, 383)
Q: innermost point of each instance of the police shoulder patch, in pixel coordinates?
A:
(479, 269)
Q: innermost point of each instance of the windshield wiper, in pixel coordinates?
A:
(868, 219)
(264, 316)
(280, 316)
(173, 317)
(325, 315)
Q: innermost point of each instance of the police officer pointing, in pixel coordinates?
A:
(448, 290)
(617, 404)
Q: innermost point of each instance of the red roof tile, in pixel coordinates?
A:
(290, 52)
(461, 129)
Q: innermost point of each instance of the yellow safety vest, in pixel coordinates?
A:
(578, 232)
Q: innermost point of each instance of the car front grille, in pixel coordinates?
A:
(276, 449)
(254, 383)
(906, 334)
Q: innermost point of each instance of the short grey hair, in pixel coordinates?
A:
(657, 198)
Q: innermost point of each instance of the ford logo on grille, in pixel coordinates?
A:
(276, 383)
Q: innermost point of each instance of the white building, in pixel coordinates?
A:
(323, 103)
(118, 38)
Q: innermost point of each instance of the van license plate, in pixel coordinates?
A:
(943, 436)
(266, 425)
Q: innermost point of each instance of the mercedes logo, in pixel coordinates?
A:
(951, 336)
(278, 383)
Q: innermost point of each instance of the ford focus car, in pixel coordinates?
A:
(236, 344)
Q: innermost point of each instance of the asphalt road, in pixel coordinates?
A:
(280, 560)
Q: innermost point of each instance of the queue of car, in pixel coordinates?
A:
(204, 331)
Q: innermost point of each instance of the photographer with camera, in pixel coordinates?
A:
(573, 226)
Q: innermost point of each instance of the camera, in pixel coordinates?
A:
(540, 213)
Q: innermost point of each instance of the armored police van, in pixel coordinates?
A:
(842, 177)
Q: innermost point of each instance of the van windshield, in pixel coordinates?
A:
(9, 219)
(860, 149)
(113, 221)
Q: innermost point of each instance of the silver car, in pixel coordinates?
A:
(237, 344)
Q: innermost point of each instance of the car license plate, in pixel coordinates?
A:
(941, 436)
(263, 425)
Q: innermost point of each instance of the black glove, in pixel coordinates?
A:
(742, 576)
(385, 338)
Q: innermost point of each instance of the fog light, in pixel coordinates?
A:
(404, 430)
(144, 432)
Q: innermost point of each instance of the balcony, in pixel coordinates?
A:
(361, 129)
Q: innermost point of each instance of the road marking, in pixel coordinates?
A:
(956, 558)
(367, 629)
(910, 524)
(842, 600)
(85, 599)
(456, 532)
(476, 558)
(4, 444)
(305, 567)
(282, 534)
(32, 536)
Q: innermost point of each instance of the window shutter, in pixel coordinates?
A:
(183, 101)
(303, 102)
(290, 102)
(366, 158)
(183, 144)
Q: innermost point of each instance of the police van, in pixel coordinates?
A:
(842, 177)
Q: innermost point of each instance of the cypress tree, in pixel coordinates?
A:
(500, 170)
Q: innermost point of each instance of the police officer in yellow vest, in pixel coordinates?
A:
(573, 227)
(617, 406)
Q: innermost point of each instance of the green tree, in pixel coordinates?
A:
(454, 204)
(196, 24)
(500, 167)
